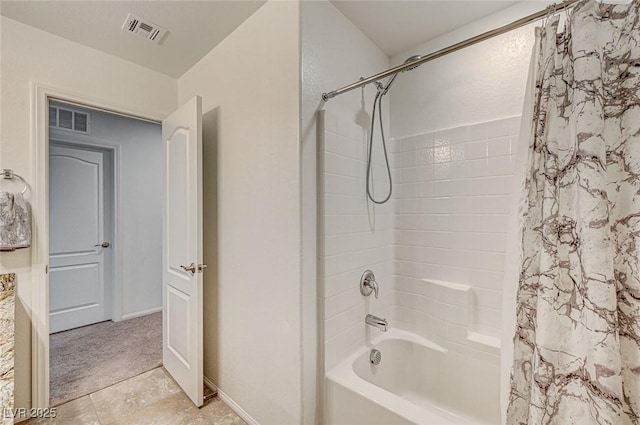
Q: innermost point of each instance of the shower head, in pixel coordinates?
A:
(393, 78)
(413, 59)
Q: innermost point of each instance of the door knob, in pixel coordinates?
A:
(104, 244)
(190, 268)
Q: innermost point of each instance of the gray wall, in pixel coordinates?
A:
(140, 170)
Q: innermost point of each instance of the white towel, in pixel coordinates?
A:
(15, 222)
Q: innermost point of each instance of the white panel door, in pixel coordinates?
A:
(182, 249)
(78, 294)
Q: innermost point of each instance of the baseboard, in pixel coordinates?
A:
(141, 313)
(229, 402)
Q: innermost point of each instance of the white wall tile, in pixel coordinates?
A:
(354, 234)
(458, 152)
(329, 266)
(407, 158)
(424, 141)
(350, 148)
(424, 156)
(445, 222)
(409, 174)
(443, 171)
(342, 321)
(408, 144)
(424, 189)
(499, 146)
(441, 151)
(341, 302)
(514, 125)
(329, 245)
(496, 128)
(487, 319)
(453, 228)
(501, 166)
(476, 150)
(330, 142)
(488, 298)
(475, 168)
(349, 167)
(341, 345)
(330, 123)
(514, 139)
(332, 163)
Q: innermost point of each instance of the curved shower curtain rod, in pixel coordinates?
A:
(556, 7)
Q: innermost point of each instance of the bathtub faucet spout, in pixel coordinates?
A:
(377, 322)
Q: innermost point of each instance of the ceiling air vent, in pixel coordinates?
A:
(143, 28)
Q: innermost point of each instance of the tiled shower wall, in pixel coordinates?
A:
(451, 205)
(354, 236)
(437, 248)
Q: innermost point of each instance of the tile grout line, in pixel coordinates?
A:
(95, 410)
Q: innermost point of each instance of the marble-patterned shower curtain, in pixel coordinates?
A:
(577, 341)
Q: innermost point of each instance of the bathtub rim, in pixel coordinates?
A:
(344, 375)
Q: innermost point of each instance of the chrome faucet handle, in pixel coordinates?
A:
(373, 284)
(368, 284)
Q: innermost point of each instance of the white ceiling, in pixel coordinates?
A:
(195, 27)
(399, 25)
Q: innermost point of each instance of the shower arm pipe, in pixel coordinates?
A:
(556, 7)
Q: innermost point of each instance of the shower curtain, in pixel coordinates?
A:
(577, 338)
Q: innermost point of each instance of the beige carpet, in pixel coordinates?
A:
(87, 359)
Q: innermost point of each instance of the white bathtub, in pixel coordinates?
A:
(413, 384)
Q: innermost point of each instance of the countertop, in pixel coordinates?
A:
(7, 323)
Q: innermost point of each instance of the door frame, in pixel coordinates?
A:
(115, 291)
(39, 314)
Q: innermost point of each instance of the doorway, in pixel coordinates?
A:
(105, 249)
(81, 211)
(182, 326)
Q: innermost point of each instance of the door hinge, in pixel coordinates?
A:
(46, 269)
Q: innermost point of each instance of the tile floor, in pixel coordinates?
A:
(152, 398)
